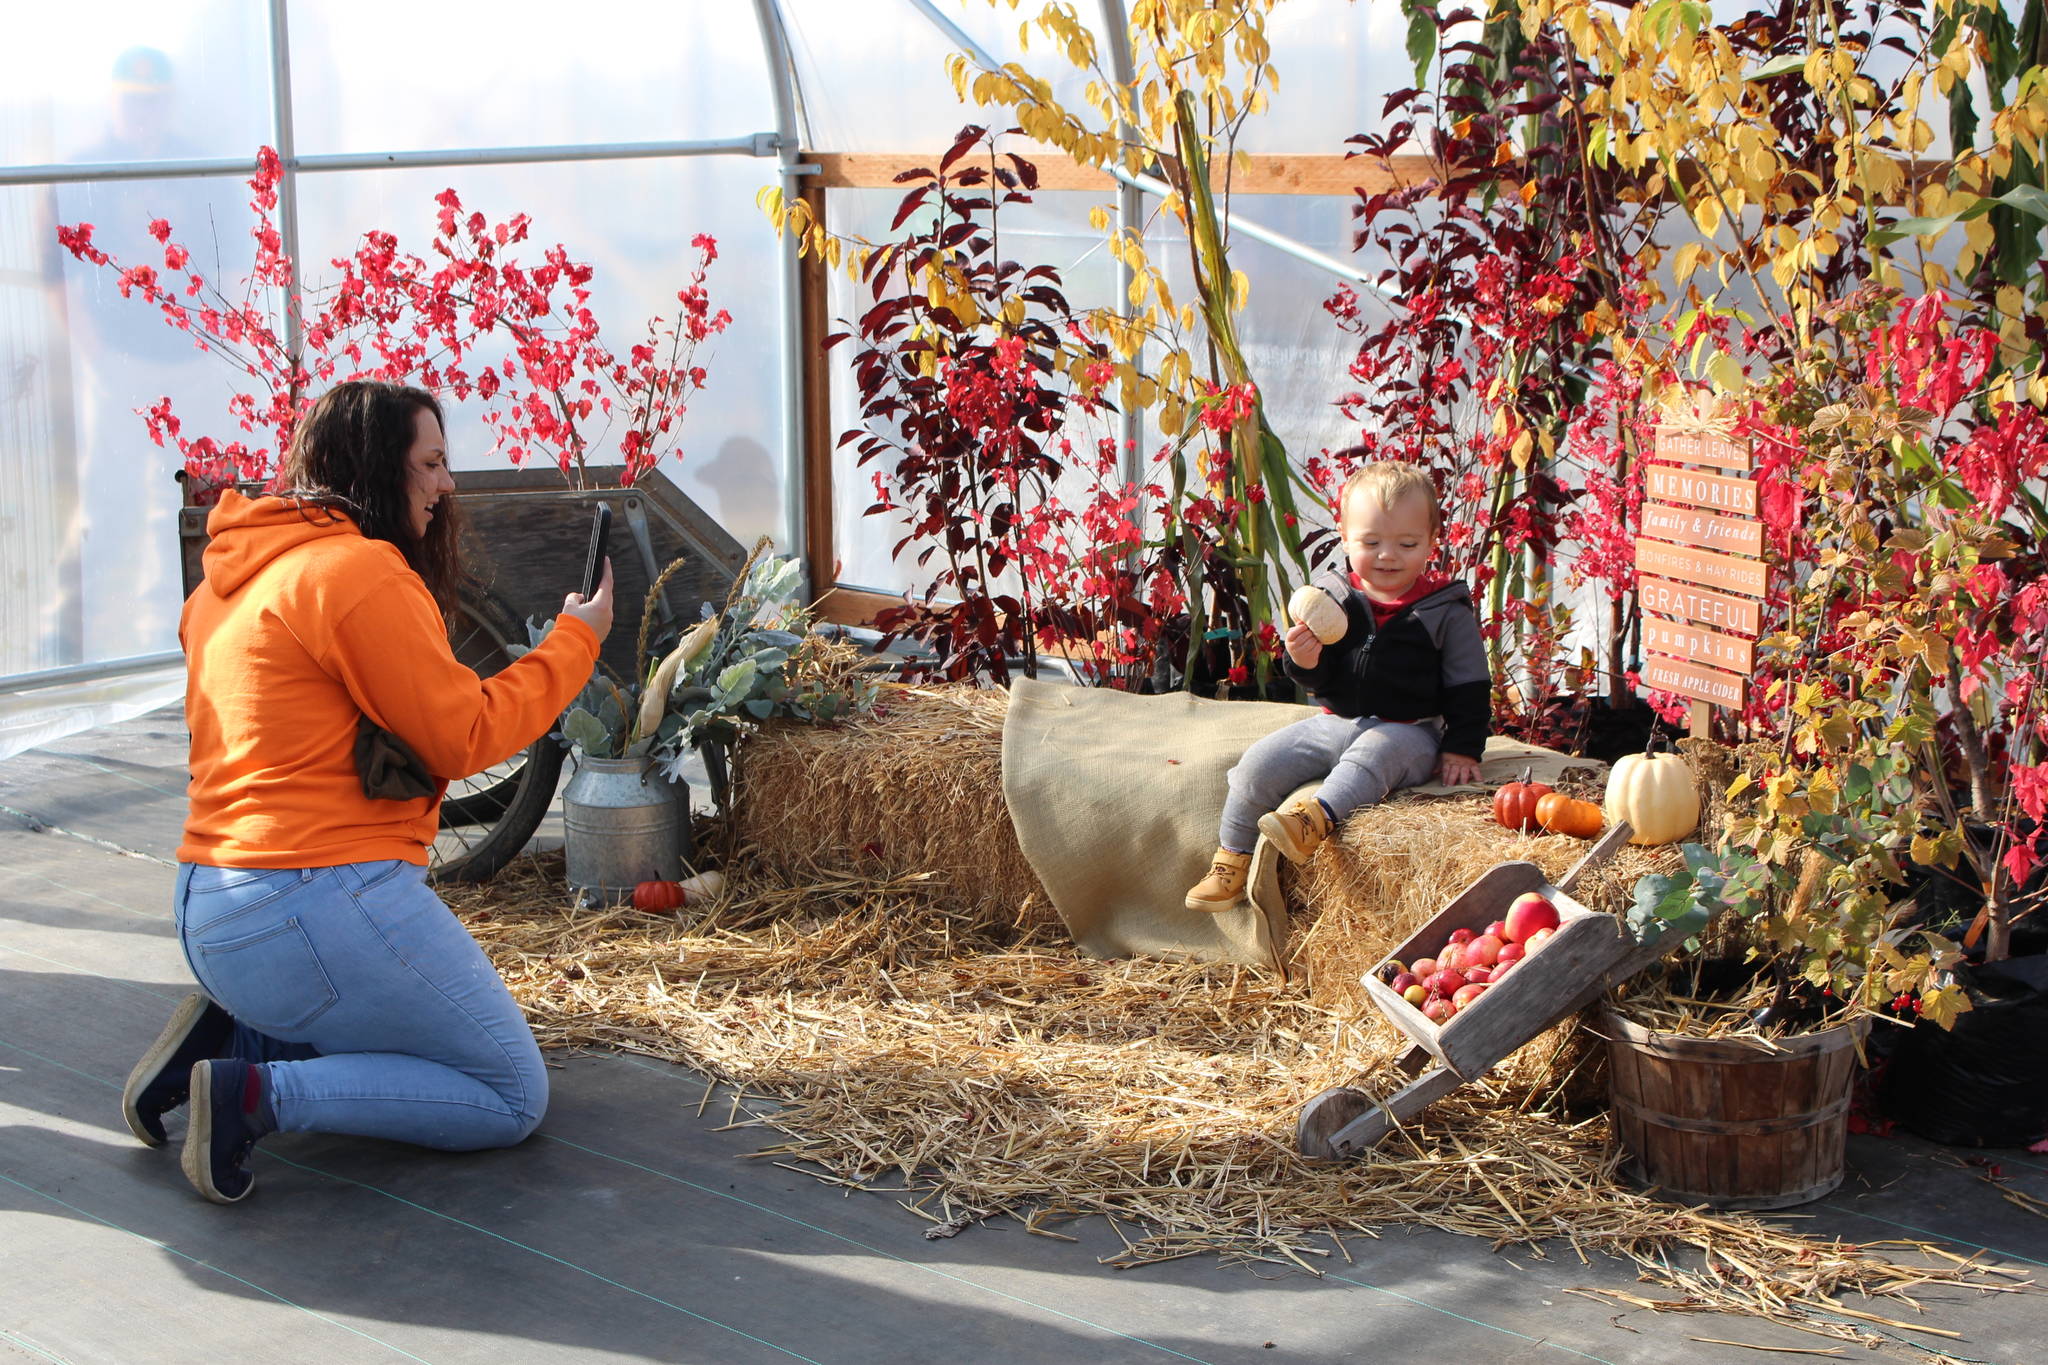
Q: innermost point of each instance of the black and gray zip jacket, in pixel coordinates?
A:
(1427, 660)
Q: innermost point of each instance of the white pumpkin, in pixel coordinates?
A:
(1316, 609)
(1654, 792)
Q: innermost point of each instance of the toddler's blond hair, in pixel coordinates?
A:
(1389, 481)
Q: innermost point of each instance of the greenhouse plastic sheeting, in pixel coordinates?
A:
(41, 716)
(88, 505)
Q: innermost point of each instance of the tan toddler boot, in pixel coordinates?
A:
(1224, 886)
(1297, 827)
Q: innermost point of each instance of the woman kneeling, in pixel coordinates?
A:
(342, 996)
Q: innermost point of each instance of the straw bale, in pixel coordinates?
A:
(914, 787)
(979, 1068)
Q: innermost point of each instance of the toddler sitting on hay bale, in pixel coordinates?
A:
(1394, 655)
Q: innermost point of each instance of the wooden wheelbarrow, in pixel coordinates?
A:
(1589, 953)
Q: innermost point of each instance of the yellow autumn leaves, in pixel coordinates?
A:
(1692, 114)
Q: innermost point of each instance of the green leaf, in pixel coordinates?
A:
(1778, 66)
(1664, 905)
(1421, 39)
(760, 707)
(2028, 199)
(1930, 227)
(739, 679)
(587, 733)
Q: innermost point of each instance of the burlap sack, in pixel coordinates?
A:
(1116, 798)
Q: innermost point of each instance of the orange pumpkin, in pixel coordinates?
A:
(661, 897)
(1561, 814)
(658, 896)
(1514, 806)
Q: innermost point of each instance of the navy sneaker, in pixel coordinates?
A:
(162, 1080)
(229, 1117)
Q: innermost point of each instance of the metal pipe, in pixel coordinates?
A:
(754, 144)
(956, 34)
(795, 467)
(1258, 233)
(1146, 183)
(1130, 216)
(288, 183)
(99, 672)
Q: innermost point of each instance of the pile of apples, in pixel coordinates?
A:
(1469, 963)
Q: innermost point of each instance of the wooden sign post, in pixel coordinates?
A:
(1700, 571)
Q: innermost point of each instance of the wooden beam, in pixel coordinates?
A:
(853, 606)
(1266, 174)
(820, 551)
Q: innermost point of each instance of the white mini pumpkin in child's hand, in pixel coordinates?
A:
(1316, 609)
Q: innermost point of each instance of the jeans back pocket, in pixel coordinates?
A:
(272, 981)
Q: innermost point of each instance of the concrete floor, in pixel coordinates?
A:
(629, 1228)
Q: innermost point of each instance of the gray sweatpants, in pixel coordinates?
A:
(1360, 762)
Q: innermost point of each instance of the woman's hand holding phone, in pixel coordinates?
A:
(595, 610)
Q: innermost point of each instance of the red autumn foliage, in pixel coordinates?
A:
(476, 320)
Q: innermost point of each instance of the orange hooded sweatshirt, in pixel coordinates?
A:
(301, 626)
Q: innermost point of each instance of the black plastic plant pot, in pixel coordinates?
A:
(1983, 1083)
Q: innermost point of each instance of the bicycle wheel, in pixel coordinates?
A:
(487, 817)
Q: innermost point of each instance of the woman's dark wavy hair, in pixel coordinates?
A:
(350, 454)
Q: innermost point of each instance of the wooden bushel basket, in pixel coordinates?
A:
(1733, 1124)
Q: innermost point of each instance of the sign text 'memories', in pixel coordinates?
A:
(1715, 492)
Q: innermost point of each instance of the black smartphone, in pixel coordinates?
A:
(600, 542)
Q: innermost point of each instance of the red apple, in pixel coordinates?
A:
(1415, 994)
(1424, 968)
(1498, 929)
(1478, 976)
(1438, 1010)
(1467, 995)
(1539, 938)
(1446, 982)
(1483, 951)
(1451, 958)
(1500, 969)
(1462, 935)
(1528, 914)
(1509, 952)
(1404, 981)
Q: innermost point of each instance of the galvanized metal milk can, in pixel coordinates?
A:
(623, 823)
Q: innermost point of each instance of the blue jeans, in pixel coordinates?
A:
(1361, 762)
(368, 1006)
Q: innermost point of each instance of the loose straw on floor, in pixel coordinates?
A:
(974, 1057)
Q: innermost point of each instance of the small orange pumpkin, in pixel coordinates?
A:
(1514, 806)
(1561, 814)
(658, 896)
(661, 897)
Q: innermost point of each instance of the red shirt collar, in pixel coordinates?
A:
(1424, 586)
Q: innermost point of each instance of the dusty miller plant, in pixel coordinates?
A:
(739, 667)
